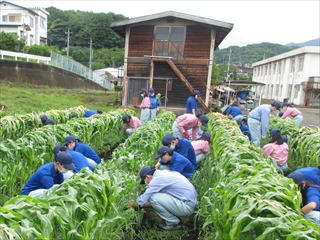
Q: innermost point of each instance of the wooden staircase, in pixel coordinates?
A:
(182, 78)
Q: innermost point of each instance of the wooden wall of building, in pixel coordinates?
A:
(194, 66)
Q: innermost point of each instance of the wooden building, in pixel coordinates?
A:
(172, 52)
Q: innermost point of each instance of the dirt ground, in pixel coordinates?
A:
(311, 117)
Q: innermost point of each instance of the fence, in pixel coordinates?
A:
(23, 56)
(68, 64)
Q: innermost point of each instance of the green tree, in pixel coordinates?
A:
(10, 42)
(215, 74)
(41, 50)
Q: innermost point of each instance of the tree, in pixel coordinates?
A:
(10, 42)
(215, 74)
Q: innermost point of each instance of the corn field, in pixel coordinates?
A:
(241, 194)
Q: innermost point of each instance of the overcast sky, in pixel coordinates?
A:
(254, 21)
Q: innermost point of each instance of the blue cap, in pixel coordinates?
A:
(167, 139)
(204, 120)
(99, 111)
(276, 104)
(162, 151)
(296, 176)
(207, 136)
(74, 115)
(151, 90)
(285, 139)
(125, 118)
(65, 159)
(144, 171)
(69, 139)
(142, 90)
(275, 131)
(43, 118)
(196, 92)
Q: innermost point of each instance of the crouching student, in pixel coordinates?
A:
(277, 149)
(244, 128)
(78, 160)
(311, 174)
(170, 160)
(48, 175)
(131, 123)
(202, 147)
(169, 193)
(181, 146)
(75, 144)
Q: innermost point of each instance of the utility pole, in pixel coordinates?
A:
(90, 64)
(228, 77)
(68, 41)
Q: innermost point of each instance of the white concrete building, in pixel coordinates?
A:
(294, 76)
(29, 23)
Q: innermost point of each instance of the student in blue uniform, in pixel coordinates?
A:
(75, 144)
(78, 159)
(244, 128)
(154, 103)
(235, 112)
(48, 175)
(311, 174)
(46, 121)
(192, 106)
(90, 113)
(170, 160)
(181, 146)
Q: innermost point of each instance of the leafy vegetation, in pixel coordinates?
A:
(10, 42)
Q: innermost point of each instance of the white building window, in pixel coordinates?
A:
(296, 90)
(279, 69)
(31, 22)
(301, 63)
(43, 23)
(293, 63)
(5, 18)
(274, 68)
(289, 90)
(267, 86)
(271, 91)
(11, 18)
(265, 70)
(277, 90)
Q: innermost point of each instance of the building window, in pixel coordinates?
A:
(31, 22)
(289, 91)
(169, 41)
(5, 18)
(271, 91)
(11, 18)
(296, 90)
(293, 63)
(267, 86)
(269, 73)
(43, 24)
(277, 90)
(301, 63)
(279, 69)
(274, 68)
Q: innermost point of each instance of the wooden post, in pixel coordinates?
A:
(151, 73)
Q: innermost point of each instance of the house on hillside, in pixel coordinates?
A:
(293, 76)
(28, 23)
(172, 52)
(114, 75)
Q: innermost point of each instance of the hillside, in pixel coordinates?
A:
(314, 42)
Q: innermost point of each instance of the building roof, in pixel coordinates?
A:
(241, 83)
(28, 9)
(307, 49)
(222, 28)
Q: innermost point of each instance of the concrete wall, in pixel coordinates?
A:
(42, 74)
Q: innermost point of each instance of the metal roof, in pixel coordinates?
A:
(222, 28)
(28, 9)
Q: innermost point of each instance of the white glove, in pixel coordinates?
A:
(158, 109)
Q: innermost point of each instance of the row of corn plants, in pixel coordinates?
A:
(89, 205)
(20, 157)
(241, 194)
(13, 127)
(304, 143)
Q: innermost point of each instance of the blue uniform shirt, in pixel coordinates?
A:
(192, 104)
(313, 195)
(44, 178)
(171, 183)
(185, 148)
(234, 111)
(245, 130)
(89, 113)
(261, 114)
(87, 151)
(179, 163)
(154, 102)
(79, 161)
(311, 174)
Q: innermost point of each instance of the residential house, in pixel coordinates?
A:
(28, 23)
(172, 52)
(293, 76)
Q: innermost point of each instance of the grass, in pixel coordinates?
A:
(21, 98)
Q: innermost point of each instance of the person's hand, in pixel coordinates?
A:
(136, 106)
(230, 116)
(263, 137)
(157, 166)
(158, 109)
(186, 135)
